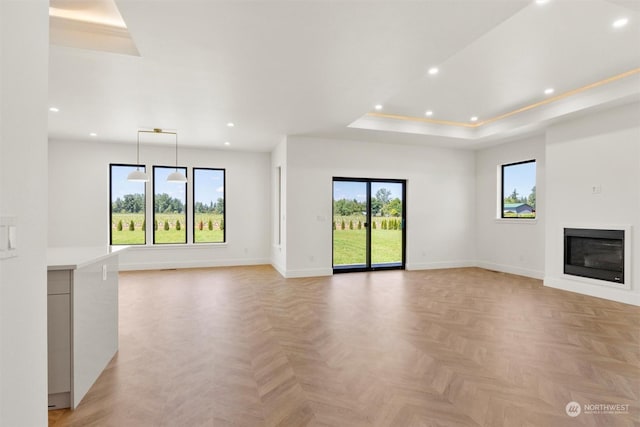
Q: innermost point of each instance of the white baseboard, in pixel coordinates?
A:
(279, 269)
(308, 272)
(439, 264)
(519, 271)
(163, 265)
(621, 295)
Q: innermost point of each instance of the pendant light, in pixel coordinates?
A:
(175, 177)
(138, 175)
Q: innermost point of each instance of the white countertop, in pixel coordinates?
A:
(71, 258)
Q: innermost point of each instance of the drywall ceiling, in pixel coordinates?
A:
(277, 68)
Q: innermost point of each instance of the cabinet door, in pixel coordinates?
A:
(59, 341)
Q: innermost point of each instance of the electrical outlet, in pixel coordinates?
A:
(596, 189)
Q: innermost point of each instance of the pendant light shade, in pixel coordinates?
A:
(138, 175)
(177, 177)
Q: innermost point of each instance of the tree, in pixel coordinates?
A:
(373, 225)
(167, 204)
(383, 195)
(132, 226)
(166, 225)
(513, 198)
(222, 224)
(359, 225)
(210, 224)
(393, 208)
(219, 206)
(200, 225)
(350, 224)
(342, 224)
(155, 224)
(532, 197)
(178, 226)
(334, 225)
(119, 226)
(376, 206)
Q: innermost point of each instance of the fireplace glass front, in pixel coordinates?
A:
(594, 253)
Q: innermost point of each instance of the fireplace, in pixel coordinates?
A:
(595, 254)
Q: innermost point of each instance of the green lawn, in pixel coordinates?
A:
(136, 237)
(349, 246)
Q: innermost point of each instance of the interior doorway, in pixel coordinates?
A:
(369, 226)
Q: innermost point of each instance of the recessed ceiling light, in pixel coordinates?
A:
(429, 113)
(474, 118)
(542, 1)
(54, 109)
(378, 107)
(549, 91)
(619, 23)
(230, 124)
(93, 134)
(433, 71)
(227, 143)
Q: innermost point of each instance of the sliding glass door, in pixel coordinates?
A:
(368, 224)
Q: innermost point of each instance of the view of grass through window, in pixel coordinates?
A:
(127, 207)
(169, 207)
(519, 190)
(208, 208)
(350, 227)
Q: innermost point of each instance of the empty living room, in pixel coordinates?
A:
(320, 213)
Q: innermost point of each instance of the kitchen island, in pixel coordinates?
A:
(82, 331)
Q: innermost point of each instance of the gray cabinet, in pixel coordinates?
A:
(59, 337)
(82, 330)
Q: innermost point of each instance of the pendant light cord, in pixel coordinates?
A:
(138, 153)
(176, 151)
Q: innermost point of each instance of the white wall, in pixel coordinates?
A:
(602, 150)
(24, 27)
(278, 208)
(79, 208)
(440, 200)
(509, 245)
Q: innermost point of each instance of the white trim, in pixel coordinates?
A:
(528, 221)
(620, 295)
(170, 246)
(439, 265)
(192, 264)
(308, 272)
(279, 269)
(520, 271)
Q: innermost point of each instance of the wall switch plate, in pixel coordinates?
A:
(8, 237)
(104, 272)
(13, 237)
(596, 189)
(4, 238)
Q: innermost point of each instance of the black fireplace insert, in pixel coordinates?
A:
(597, 254)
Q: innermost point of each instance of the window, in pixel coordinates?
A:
(127, 207)
(208, 208)
(169, 207)
(519, 190)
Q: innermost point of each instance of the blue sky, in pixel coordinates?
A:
(209, 184)
(119, 184)
(357, 190)
(522, 177)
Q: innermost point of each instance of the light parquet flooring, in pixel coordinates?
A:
(242, 346)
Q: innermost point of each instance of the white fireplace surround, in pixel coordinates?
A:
(627, 256)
